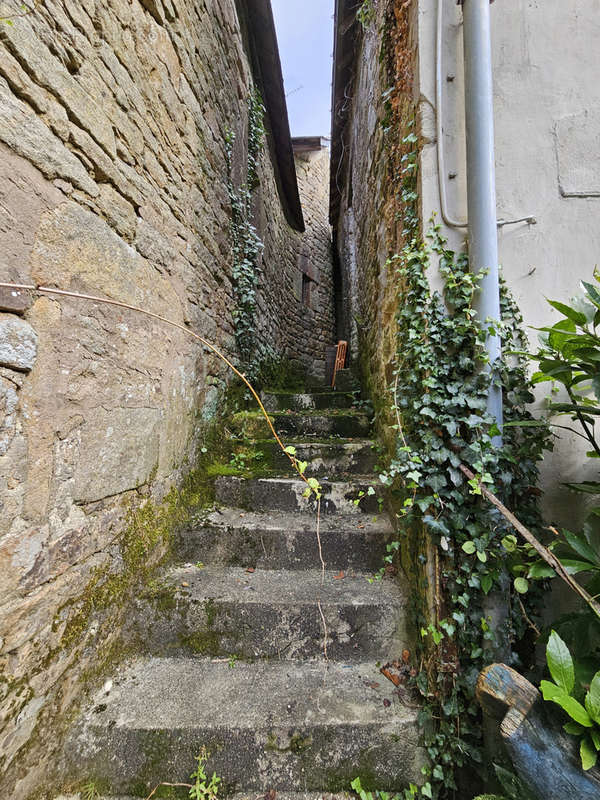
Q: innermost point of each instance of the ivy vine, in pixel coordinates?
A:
(246, 243)
(440, 393)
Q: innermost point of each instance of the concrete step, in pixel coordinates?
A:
(229, 612)
(281, 726)
(346, 424)
(282, 401)
(279, 540)
(285, 494)
(325, 458)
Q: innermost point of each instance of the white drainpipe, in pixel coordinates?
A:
(481, 177)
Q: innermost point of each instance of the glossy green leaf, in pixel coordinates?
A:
(556, 694)
(588, 487)
(573, 566)
(575, 316)
(578, 543)
(560, 662)
(588, 753)
(592, 293)
(592, 699)
(573, 728)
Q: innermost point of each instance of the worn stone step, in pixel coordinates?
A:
(182, 792)
(346, 424)
(281, 726)
(341, 423)
(325, 458)
(285, 494)
(228, 611)
(280, 540)
(345, 381)
(304, 401)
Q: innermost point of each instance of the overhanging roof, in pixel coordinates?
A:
(261, 28)
(305, 144)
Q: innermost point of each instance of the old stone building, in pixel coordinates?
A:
(388, 81)
(146, 159)
(132, 156)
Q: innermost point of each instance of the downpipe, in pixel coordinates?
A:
(483, 252)
(481, 182)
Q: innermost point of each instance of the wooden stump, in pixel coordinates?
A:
(545, 758)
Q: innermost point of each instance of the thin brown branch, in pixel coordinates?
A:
(545, 554)
(396, 409)
(28, 10)
(531, 624)
(323, 565)
(173, 785)
(95, 299)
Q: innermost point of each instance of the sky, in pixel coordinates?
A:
(305, 35)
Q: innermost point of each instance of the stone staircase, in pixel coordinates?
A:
(234, 652)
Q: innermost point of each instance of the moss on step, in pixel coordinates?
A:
(250, 424)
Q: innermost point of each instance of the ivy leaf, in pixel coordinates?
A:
(291, 451)
(588, 753)
(414, 475)
(541, 570)
(486, 583)
(560, 662)
(469, 548)
(522, 587)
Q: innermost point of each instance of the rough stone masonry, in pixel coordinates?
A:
(113, 181)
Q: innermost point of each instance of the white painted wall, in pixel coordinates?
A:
(547, 118)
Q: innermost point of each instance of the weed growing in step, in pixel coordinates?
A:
(203, 788)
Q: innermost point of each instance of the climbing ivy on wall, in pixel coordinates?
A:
(246, 243)
(439, 394)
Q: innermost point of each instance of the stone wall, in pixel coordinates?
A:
(312, 326)
(374, 111)
(114, 181)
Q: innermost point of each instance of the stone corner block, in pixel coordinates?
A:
(18, 343)
(17, 301)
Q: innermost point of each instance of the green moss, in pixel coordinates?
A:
(203, 643)
(490, 797)
(162, 595)
(210, 609)
(299, 743)
(250, 424)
